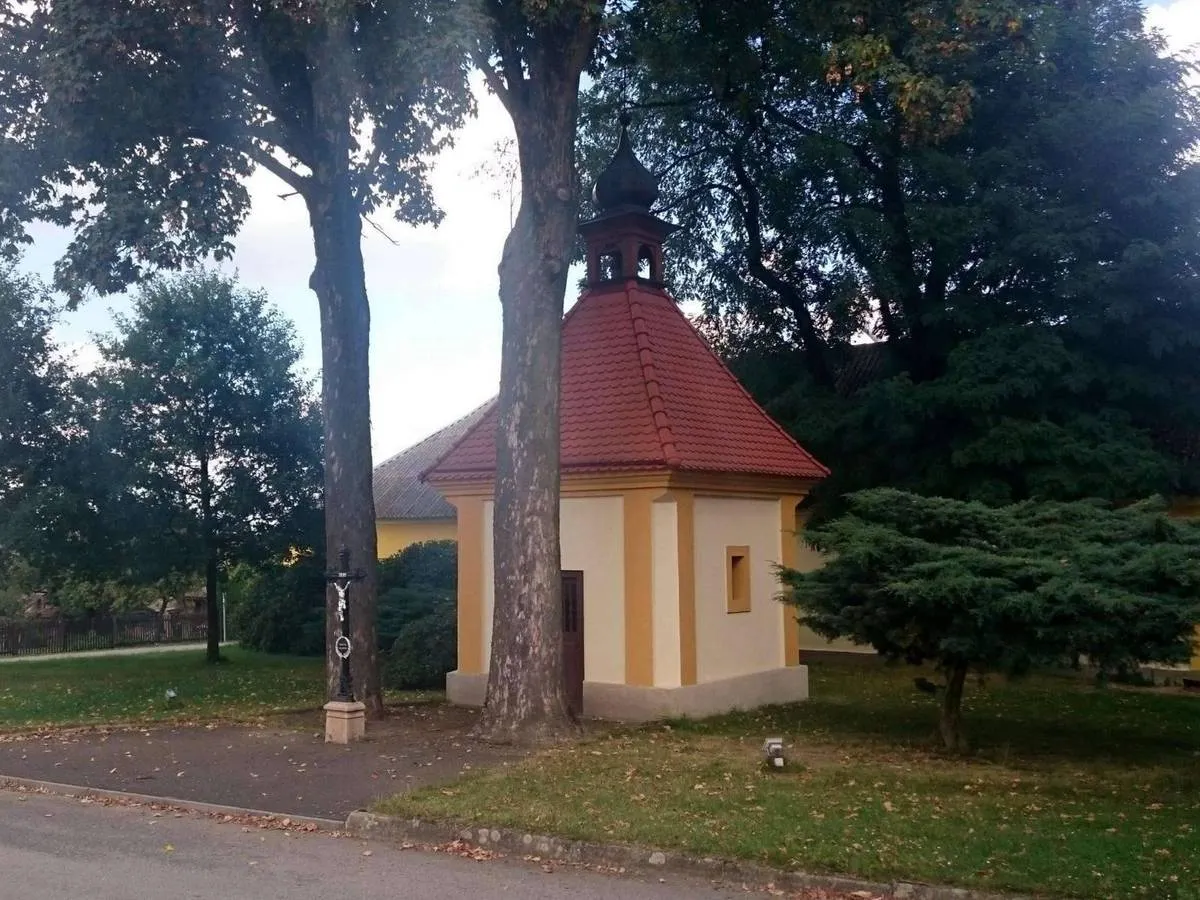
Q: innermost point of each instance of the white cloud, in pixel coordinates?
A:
(1179, 23)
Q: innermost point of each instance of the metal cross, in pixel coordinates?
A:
(342, 646)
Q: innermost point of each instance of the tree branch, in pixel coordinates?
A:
(494, 81)
(511, 72)
(290, 177)
(750, 207)
(860, 152)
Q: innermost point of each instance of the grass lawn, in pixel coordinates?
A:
(119, 689)
(1074, 790)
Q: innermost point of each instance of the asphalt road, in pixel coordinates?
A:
(56, 848)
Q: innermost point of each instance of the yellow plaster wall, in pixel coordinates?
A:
(665, 531)
(592, 535)
(488, 574)
(470, 584)
(396, 534)
(732, 644)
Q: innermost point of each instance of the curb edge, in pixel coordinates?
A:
(8, 782)
(517, 842)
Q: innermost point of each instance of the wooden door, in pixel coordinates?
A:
(572, 640)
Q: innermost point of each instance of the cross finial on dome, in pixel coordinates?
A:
(625, 182)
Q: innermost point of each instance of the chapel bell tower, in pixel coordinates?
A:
(625, 240)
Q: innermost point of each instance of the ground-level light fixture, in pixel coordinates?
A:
(773, 751)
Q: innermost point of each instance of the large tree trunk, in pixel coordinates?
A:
(213, 649)
(213, 605)
(951, 725)
(526, 702)
(339, 282)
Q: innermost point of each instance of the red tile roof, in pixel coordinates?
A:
(642, 390)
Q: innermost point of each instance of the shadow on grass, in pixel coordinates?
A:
(1047, 717)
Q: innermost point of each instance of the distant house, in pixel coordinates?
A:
(192, 602)
(407, 510)
(39, 606)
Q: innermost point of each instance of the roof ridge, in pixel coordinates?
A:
(741, 387)
(658, 407)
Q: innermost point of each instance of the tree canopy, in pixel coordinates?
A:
(39, 428)
(936, 179)
(137, 126)
(215, 434)
(34, 390)
(968, 586)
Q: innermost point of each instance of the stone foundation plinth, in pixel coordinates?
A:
(344, 721)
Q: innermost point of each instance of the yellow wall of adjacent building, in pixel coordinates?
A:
(809, 560)
(396, 534)
(1189, 507)
(739, 643)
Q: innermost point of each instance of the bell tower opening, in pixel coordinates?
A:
(625, 240)
(610, 265)
(645, 268)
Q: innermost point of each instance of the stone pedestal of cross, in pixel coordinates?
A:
(345, 717)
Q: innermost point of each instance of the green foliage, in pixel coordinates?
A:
(158, 113)
(1019, 413)
(18, 580)
(417, 614)
(425, 649)
(279, 608)
(82, 596)
(968, 586)
(215, 437)
(917, 175)
(36, 406)
(426, 564)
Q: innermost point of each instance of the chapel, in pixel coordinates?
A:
(679, 498)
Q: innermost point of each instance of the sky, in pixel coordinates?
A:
(435, 310)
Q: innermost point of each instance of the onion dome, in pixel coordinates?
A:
(625, 182)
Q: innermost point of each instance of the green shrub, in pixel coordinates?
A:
(278, 608)
(430, 563)
(424, 651)
(417, 627)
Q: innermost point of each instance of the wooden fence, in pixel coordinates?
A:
(101, 632)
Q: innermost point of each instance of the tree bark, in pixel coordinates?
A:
(339, 281)
(213, 643)
(213, 605)
(951, 725)
(526, 701)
